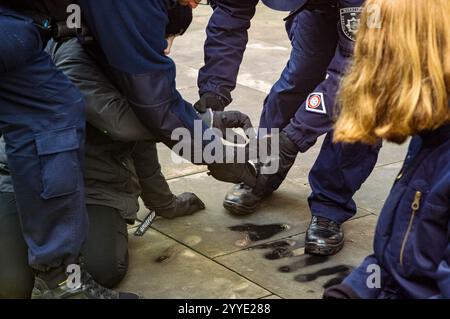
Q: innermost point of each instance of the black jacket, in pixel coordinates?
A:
(116, 141)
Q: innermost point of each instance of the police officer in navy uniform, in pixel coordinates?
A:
(301, 104)
(131, 37)
(43, 123)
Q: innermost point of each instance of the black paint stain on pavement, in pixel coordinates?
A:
(260, 232)
(305, 261)
(161, 259)
(336, 270)
(288, 249)
(168, 254)
(336, 280)
(278, 250)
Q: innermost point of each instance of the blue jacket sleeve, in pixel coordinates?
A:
(131, 34)
(441, 204)
(363, 279)
(225, 45)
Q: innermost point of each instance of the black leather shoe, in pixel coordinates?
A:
(324, 237)
(241, 200)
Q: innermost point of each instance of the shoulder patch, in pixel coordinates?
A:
(350, 21)
(316, 103)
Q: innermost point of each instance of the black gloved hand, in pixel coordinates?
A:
(234, 173)
(212, 101)
(236, 166)
(184, 205)
(229, 120)
(268, 181)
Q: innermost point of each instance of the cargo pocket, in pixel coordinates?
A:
(57, 151)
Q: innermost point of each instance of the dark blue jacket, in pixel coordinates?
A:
(412, 240)
(131, 34)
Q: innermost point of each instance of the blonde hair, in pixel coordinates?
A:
(398, 84)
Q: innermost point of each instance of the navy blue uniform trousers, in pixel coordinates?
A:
(302, 101)
(42, 120)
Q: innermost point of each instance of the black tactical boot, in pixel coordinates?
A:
(55, 285)
(324, 237)
(241, 200)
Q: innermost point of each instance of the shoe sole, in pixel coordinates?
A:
(323, 250)
(240, 210)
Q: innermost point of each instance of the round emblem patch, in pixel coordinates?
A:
(314, 101)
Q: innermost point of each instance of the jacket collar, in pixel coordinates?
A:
(438, 136)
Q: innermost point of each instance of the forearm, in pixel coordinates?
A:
(227, 37)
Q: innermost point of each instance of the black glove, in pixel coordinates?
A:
(231, 119)
(184, 205)
(213, 101)
(268, 181)
(236, 167)
(234, 173)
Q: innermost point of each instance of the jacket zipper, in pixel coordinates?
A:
(415, 208)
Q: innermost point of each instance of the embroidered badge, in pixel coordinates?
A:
(316, 103)
(350, 21)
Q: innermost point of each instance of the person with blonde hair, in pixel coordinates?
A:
(399, 86)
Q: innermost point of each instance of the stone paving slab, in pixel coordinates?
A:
(161, 268)
(208, 231)
(302, 276)
(274, 297)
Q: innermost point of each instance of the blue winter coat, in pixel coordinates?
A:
(412, 240)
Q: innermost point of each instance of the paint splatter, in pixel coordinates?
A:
(260, 232)
(340, 269)
(305, 261)
(278, 250)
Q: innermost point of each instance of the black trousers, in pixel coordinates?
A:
(105, 251)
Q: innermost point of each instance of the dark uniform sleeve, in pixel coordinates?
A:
(315, 116)
(225, 45)
(358, 280)
(441, 206)
(131, 33)
(106, 108)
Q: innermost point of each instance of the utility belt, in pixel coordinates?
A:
(58, 30)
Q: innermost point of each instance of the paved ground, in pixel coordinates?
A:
(214, 254)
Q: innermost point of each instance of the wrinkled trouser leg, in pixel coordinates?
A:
(42, 120)
(106, 250)
(340, 169)
(156, 192)
(338, 173)
(16, 277)
(314, 39)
